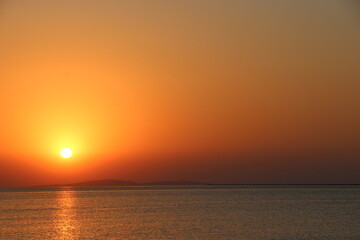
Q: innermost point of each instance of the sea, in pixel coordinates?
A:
(244, 212)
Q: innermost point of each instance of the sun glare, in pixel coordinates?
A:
(66, 152)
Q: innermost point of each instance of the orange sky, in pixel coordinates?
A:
(217, 91)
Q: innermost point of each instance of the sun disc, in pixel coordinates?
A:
(66, 152)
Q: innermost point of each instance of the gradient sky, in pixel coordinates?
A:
(214, 91)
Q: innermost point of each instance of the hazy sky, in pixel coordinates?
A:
(216, 91)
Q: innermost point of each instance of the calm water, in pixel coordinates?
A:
(201, 212)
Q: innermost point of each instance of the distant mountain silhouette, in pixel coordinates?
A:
(114, 182)
(106, 182)
(174, 183)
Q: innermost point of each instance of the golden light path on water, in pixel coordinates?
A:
(66, 224)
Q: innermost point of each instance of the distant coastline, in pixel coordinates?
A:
(123, 183)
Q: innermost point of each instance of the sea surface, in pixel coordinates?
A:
(182, 212)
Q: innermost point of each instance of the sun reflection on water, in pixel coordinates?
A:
(67, 226)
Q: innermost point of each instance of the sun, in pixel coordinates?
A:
(66, 152)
